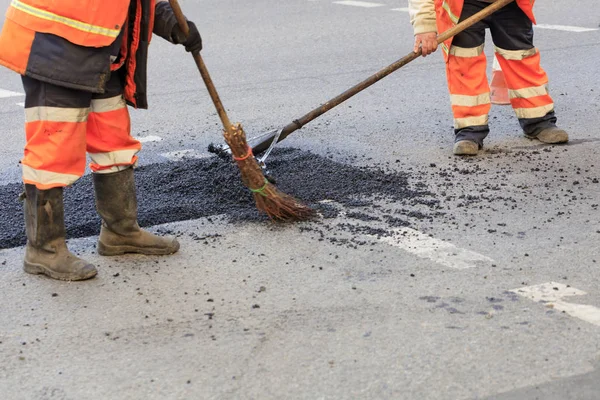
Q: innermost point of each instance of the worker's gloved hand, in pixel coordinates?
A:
(166, 26)
(193, 42)
(427, 42)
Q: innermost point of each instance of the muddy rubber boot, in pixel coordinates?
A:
(465, 148)
(552, 135)
(117, 206)
(46, 251)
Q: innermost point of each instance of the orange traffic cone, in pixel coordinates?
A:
(498, 88)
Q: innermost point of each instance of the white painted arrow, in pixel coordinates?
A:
(552, 294)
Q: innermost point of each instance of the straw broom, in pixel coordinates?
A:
(276, 204)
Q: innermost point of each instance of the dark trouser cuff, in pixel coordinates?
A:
(533, 126)
(473, 133)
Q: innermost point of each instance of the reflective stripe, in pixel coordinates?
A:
(529, 92)
(32, 175)
(453, 17)
(115, 168)
(470, 101)
(480, 120)
(466, 52)
(56, 114)
(106, 105)
(516, 54)
(534, 112)
(118, 157)
(79, 25)
(445, 48)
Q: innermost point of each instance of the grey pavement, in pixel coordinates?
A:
(264, 311)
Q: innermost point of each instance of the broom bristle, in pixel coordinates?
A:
(273, 202)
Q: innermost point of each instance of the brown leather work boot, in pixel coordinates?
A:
(552, 135)
(117, 206)
(46, 251)
(465, 148)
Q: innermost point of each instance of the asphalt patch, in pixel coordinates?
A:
(196, 188)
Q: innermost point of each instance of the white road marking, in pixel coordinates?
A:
(552, 294)
(403, 9)
(439, 251)
(358, 3)
(7, 93)
(145, 139)
(423, 246)
(180, 155)
(565, 28)
(21, 104)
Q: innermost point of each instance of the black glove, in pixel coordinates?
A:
(165, 26)
(193, 43)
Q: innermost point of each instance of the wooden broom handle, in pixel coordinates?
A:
(183, 25)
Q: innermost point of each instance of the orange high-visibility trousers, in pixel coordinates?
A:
(527, 82)
(63, 125)
(512, 33)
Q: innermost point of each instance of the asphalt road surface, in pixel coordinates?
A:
(424, 276)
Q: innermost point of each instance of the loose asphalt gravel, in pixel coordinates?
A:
(195, 188)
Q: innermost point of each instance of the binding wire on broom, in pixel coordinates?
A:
(276, 204)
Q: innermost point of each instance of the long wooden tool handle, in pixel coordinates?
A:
(300, 122)
(182, 21)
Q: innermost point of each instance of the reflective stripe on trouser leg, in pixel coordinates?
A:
(528, 89)
(109, 142)
(55, 128)
(469, 93)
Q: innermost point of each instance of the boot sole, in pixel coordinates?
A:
(105, 250)
(38, 269)
(465, 153)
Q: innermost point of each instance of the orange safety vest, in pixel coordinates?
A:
(448, 14)
(29, 43)
(94, 23)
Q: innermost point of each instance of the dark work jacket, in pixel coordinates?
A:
(53, 59)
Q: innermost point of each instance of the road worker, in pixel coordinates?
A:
(81, 63)
(511, 28)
